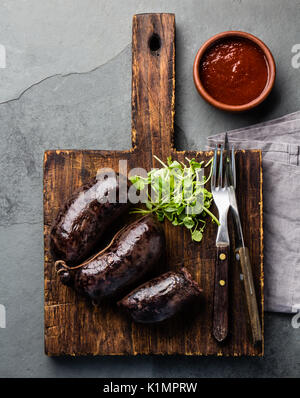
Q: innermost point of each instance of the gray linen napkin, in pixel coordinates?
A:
(279, 140)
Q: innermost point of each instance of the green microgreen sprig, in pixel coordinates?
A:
(177, 193)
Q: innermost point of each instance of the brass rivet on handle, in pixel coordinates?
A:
(222, 256)
(222, 283)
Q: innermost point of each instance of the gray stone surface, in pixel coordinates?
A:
(67, 85)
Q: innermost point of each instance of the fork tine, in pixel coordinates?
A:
(214, 173)
(225, 174)
(233, 166)
(220, 177)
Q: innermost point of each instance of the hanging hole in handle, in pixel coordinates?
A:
(154, 43)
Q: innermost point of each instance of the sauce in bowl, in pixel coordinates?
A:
(234, 71)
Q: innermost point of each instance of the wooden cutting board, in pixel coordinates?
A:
(72, 325)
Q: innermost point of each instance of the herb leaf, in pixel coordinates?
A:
(197, 236)
(177, 193)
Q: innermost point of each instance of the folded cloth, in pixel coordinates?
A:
(279, 141)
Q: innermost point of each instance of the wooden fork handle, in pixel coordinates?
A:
(250, 294)
(220, 311)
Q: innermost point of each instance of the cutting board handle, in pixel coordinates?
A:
(153, 83)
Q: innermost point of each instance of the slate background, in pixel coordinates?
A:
(67, 85)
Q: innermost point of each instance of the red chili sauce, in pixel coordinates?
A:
(234, 71)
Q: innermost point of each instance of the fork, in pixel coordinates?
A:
(220, 192)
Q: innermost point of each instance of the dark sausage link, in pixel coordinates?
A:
(80, 224)
(162, 297)
(131, 255)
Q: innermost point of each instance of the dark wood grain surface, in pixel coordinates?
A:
(72, 325)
